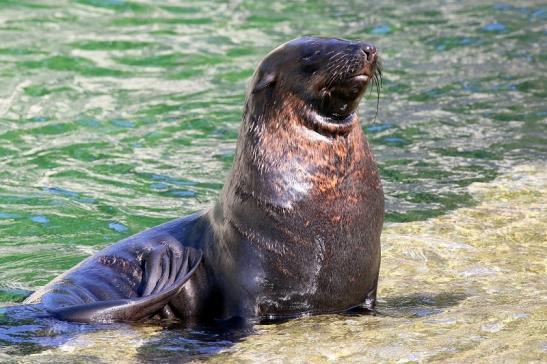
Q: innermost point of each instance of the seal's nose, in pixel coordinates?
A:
(369, 50)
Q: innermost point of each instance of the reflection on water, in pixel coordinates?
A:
(117, 115)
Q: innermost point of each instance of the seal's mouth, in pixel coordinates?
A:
(367, 72)
(341, 99)
(371, 70)
(361, 78)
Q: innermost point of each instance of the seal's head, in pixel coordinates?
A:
(323, 78)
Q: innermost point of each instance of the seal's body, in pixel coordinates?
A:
(296, 229)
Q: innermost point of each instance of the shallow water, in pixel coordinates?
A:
(467, 286)
(116, 116)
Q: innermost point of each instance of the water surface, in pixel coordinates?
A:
(119, 115)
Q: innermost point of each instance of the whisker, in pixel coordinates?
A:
(378, 82)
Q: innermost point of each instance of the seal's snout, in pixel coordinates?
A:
(369, 51)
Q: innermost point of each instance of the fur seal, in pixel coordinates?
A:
(296, 229)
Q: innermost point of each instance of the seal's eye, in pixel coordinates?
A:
(310, 62)
(310, 67)
(309, 55)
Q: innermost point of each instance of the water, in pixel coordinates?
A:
(119, 115)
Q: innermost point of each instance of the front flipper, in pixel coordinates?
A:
(165, 268)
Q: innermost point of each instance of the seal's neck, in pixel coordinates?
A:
(283, 160)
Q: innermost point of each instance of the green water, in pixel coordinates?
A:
(119, 115)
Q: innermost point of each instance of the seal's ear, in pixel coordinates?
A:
(266, 80)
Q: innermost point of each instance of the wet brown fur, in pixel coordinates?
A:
(296, 229)
(309, 202)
